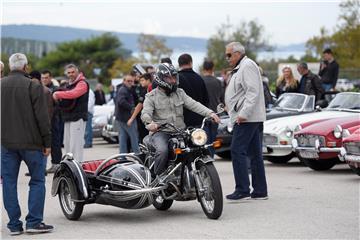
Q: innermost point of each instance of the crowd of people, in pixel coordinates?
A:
(43, 114)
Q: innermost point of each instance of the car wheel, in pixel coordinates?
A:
(226, 154)
(355, 170)
(280, 160)
(319, 165)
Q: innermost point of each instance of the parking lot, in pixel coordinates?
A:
(303, 204)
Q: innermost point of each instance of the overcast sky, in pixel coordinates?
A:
(285, 22)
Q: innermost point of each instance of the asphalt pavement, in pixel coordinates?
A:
(302, 204)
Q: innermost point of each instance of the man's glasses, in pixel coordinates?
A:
(229, 55)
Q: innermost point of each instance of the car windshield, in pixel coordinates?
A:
(345, 101)
(290, 101)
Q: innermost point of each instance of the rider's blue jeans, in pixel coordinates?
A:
(10, 165)
(247, 142)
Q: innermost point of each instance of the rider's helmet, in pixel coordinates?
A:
(166, 76)
(128, 177)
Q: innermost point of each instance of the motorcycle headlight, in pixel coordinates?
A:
(199, 137)
(338, 131)
(288, 132)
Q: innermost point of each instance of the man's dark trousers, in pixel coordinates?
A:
(57, 126)
(247, 142)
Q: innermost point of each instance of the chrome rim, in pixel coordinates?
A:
(65, 197)
(207, 197)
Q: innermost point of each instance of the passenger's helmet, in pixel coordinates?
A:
(164, 73)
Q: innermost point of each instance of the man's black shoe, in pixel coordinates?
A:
(259, 196)
(40, 228)
(238, 197)
(16, 232)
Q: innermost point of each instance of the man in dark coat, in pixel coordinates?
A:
(310, 83)
(194, 87)
(25, 135)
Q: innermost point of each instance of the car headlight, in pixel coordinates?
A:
(298, 128)
(345, 133)
(338, 131)
(288, 132)
(199, 137)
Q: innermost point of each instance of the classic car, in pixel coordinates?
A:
(279, 132)
(110, 132)
(319, 144)
(351, 148)
(288, 104)
(99, 120)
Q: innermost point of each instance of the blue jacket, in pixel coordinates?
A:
(124, 104)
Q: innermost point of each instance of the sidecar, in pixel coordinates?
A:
(120, 180)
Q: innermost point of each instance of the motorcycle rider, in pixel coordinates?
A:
(165, 104)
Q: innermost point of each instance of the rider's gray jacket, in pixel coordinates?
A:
(160, 108)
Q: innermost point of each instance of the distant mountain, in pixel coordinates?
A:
(55, 34)
(298, 47)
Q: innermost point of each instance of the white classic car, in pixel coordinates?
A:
(99, 120)
(279, 132)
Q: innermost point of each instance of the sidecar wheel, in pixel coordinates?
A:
(162, 204)
(211, 199)
(71, 209)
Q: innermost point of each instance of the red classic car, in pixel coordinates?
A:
(351, 144)
(319, 144)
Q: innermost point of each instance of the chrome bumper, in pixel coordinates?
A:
(317, 148)
(352, 158)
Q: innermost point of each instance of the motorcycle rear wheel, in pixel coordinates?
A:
(71, 209)
(162, 204)
(212, 199)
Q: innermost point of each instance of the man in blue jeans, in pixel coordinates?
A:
(124, 107)
(25, 135)
(244, 98)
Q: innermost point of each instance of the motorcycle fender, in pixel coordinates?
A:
(71, 171)
(204, 159)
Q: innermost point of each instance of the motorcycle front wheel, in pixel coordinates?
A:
(211, 199)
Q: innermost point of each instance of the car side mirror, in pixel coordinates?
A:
(318, 108)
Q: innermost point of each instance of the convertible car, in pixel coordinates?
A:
(319, 144)
(99, 120)
(279, 132)
(351, 148)
(289, 104)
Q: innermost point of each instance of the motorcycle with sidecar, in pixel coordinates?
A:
(125, 180)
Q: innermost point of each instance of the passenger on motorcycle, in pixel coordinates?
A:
(165, 104)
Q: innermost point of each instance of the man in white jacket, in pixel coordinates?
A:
(244, 98)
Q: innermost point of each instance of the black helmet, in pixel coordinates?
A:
(163, 72)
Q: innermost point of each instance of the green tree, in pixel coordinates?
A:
(95, 53)
(344, 41)
(250, 34)
(152, 48)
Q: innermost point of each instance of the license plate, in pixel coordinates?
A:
(308, 154)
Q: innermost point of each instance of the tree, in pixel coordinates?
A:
(95, 53)
(250, 34)
(344, 40)
(152, 48)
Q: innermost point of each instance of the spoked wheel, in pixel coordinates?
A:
(211, 198)
(71, 209)
(162, 204)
